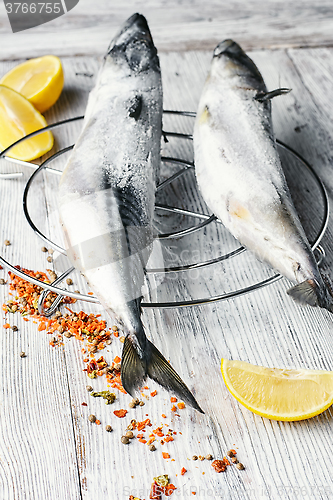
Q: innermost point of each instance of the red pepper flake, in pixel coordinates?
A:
(219, 465)
(163, 416)
(169, 489)
(153, 394)
(84, 404)
(117, 359)
(42, 326)
(146, 387)
(181, 406)
(165, 455)
(120, 413)
(90, 293)
(173, 400)
(183, 471)
(6, 325)
(98, 422)
(173, 408)
(156, 491)
(143, 441)
(193, 492)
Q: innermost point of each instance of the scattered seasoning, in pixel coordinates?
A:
(141, 403)
(98, 422)
(153, 394)
(219, 466)
(44, 249)
(23, 354)
(49, 259)
(69, 281)
(108, 428)
(173, 408)
(230, 453)
(107, 395)
(89, 388)
(165, 455)
(240, 466)
(124, 440)
(201, 457)
(7, 243)
(161, 485)
(183, 471)
(2, 281)
(92, 418)
(209, 457)
(129, 434)
(194, 457)
(181, 406)
(51, 251)
(120, 413)
(152, 447)
(14, 328)
(173, 400)
(234, 460)
(84, 404)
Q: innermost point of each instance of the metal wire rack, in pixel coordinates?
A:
(206, 219)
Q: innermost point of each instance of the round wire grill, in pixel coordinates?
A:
(205, 220)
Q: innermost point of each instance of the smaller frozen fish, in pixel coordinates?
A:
(240, 176)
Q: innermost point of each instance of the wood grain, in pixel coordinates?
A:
(49, 449)
(176, 26)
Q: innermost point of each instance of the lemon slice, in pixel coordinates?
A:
(40, 80)
(279, 394)
(19, 118)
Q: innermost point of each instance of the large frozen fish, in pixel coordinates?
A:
(107, 195)
(240, 175)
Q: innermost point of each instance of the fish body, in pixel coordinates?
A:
(107, 195)
(240, 176)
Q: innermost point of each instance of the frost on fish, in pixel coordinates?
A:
(107, 195)
(240, 174)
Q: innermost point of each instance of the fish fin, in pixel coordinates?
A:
(134, 371)
(162, 372)
(265, 96)
(305, 293)
(133, 368)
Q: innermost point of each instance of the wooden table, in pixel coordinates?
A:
(48, 448)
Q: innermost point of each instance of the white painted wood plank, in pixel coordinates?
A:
(37, 445)
(176, 25)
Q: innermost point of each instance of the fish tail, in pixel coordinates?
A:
(135, 368)
(310, 293)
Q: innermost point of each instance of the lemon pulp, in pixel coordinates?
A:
(279, 394)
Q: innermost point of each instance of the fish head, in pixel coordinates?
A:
(133, 48)
(230, 61)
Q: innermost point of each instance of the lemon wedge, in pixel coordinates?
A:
(19, 118)
(279, 394)
(40, 80)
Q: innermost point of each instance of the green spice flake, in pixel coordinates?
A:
(162, 480)
(109, 396)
